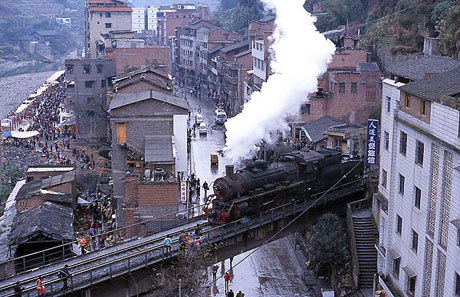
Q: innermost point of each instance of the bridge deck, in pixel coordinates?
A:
(112, 262)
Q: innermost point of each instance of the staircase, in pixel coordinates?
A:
(365, 236)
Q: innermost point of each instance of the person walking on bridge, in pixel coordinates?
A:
(167, 241)
(64, 274)
(40, 287)
(17, 290)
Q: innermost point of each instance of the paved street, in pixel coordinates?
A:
(275, 269)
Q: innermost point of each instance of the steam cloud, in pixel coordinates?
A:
(300, 55)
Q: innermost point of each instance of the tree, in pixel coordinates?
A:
(328, 242)
(236, 15)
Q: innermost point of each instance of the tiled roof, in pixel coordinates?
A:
(33, 188)
(52, 220)
(316, 128)
(216, 49)
(158, 149)
(414, 69)
(444, 84)
(370, 67)
(110, 9)
(243, 53)
(235, 46)
(120, 100)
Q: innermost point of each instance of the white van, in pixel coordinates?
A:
(221, 117)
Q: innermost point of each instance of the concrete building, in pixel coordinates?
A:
(149, 141)
(138, 19)
(347, 138)
(349, 90)
(258, 36)
(101, 17)
(152, 20)
(417, 207)
(86, 95)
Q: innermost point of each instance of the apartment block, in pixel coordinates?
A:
(417, 207)
(138, 19)
(102, 17)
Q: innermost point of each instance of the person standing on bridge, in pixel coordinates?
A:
(40, 287)
(205, 188)
(17, 289)
(167, 241)
(64, 274)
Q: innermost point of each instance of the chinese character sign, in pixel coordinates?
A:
(372, 141)
(183, 192)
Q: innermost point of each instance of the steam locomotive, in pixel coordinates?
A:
(260, 187)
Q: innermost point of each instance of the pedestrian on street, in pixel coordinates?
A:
(205, 188)
(198, 187)
(240, 294)
(83, 243)
(40, 287)
(230, 293)
(167, 241)
(64, 275)
(227, 281)
(214, 273)
(17, 289)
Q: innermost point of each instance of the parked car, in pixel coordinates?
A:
(203, 129)
(199, 119)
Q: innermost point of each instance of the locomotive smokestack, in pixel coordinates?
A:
(229, 171)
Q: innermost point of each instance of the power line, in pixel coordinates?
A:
(384, 17)
(293, 220)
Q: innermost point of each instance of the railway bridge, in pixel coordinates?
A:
(101, 273)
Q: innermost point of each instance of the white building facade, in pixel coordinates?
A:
(418, 203)
(152, 19)
(138, 19)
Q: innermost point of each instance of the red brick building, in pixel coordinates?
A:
(138, 57)
(350, 89)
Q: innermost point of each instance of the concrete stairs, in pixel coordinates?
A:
(365, 234)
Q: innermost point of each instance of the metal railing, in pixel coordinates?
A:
(62, 252)
(144, 257)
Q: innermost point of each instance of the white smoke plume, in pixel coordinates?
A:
(300, 55)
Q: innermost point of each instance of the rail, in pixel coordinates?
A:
(42, 258)
(147, 256)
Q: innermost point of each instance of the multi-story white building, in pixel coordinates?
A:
(138, 19)
(152, 19)
(418, 203)
(102, 17)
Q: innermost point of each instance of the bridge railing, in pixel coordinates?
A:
(119, 235)
(116, 263)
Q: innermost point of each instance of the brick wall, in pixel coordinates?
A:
(347, 59)
(25, 204)
(414, 108)
(219, 36)
(158, 194)
(63, 188)
(139, 86)
(138, 57)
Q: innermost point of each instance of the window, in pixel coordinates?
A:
(108, 15)
(418, 197)
(387, 140)
(419, 149)
(423, 107)
(457, 284)
(406, 101)
(411, 285)
(458, 237)
(388, 103)
(402, 180)
(341, 88)
(108, 25)
(403, 143)
(396, 266)
(121, 132)
(90, 100)
(99, 68)
(354, 88)
(103, 83)
(384, 178)
(69, 69)
(399, 223)
(89, 84)
(86, 69)
(305, 109)
(414, 241)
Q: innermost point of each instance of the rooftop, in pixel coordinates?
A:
(316, 128)
(414, 69)
(436, 87)
(158, 149)
(37, 187)
(120, 100)
(369, 67)
(110, 8)
(235, 46)
(249, 51)
(49, 168)
(52, 220)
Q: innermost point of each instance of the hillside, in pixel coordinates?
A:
(400, 24)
